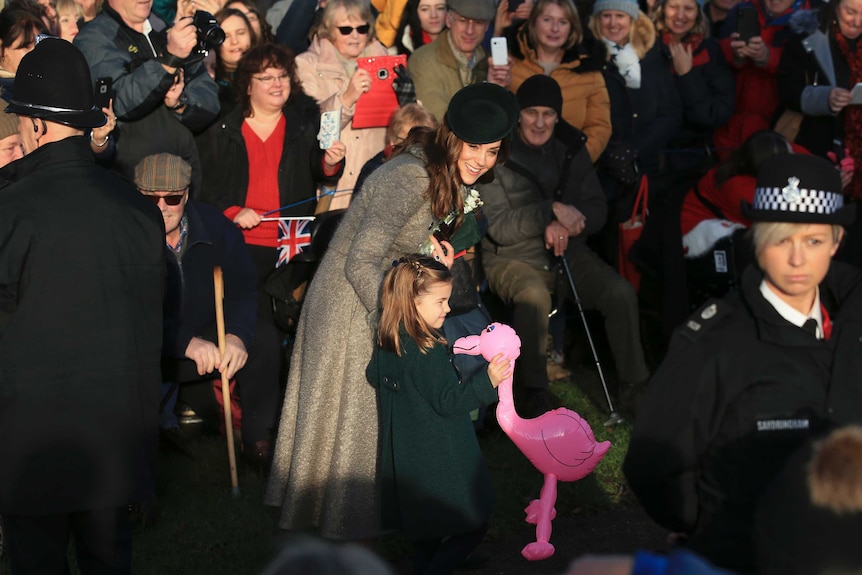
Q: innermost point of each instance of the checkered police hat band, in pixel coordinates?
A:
(800, 200)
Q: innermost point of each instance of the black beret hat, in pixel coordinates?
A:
(799, 188)
(482, 113)
(53, 82)
(541, 90)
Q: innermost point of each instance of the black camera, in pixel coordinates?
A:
(210, 34)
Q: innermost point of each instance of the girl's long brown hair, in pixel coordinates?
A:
(410, 277)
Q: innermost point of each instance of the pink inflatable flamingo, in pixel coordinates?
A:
(559, 443)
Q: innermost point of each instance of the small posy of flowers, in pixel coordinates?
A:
(472, 201)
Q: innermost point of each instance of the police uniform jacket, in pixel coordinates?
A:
(81, 281)
(740, 389)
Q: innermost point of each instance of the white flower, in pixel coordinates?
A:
(472, 201)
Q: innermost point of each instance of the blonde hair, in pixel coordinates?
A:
(639, 44)
(359, 9)
(414, 114)
(764, 234)
(576, 33)
(410, 277)
(701, 26)
(835, 471)
(69, 7)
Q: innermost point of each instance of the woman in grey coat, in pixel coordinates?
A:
(324, 472)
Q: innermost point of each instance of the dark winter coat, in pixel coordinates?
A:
(81, 280)
(646, 118)
(146, 126)
(707, 95)
(519, 202)
(225, 160)
(811, 66)
(212, 240)
(434, 478)
(740, 390)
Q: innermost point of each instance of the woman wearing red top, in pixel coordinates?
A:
(264, 155)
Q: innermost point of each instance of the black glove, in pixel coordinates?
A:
(620, 160)
(405, 91)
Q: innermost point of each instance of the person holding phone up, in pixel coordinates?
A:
(817, 78)
(752, 39)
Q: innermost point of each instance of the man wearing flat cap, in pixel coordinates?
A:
(456, 58)
(197, 239)
(81, 280)
(750, 377)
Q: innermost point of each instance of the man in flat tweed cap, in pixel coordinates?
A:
(198, 238)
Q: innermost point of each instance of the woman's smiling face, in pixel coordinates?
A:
(475, 160)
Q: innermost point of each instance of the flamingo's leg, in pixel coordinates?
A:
(541, 548)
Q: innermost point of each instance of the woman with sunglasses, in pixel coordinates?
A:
(329, 73)
(261, 156)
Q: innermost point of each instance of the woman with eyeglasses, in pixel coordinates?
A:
(260, 157)
(329, 73)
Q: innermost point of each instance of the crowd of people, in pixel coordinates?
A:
(214, 147)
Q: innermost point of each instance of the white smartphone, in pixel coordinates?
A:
(499, 51)
(856, 94)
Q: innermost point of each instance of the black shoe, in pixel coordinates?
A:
(258, 455)
(174, 439)
(630, 397)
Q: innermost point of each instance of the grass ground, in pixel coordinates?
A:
(201, 528)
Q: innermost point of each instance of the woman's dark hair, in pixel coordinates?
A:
(221, 16)
(442, 149)
(410, 18)
(747, 158)
(258, 59)
(19, 26)
(266, 35)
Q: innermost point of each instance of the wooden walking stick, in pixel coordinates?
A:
(218, 281)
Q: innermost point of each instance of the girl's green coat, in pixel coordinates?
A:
(434, 478)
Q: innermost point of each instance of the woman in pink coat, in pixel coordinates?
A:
(329, 73)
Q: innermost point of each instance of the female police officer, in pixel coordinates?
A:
(749, 377)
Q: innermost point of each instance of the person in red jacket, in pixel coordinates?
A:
(755, 63)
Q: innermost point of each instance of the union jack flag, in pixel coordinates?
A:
(293, 237)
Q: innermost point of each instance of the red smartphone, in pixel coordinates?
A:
(374, 108)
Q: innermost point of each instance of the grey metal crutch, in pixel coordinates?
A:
(614, 418)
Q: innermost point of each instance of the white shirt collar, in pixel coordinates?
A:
(793, 316)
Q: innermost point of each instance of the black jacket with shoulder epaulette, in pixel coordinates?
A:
(740, 389)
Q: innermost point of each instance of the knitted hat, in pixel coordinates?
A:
(474, 9)
(8, 123)
(163, 173)
(629, 7)
(53, 82)
(799, 188)
(482, 113)
(541, 90)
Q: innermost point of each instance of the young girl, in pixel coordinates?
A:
(435, 484)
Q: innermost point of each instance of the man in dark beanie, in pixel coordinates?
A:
(81, 272)
(542, 205)
(749, 378)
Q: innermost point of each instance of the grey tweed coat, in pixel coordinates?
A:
(324, 472)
